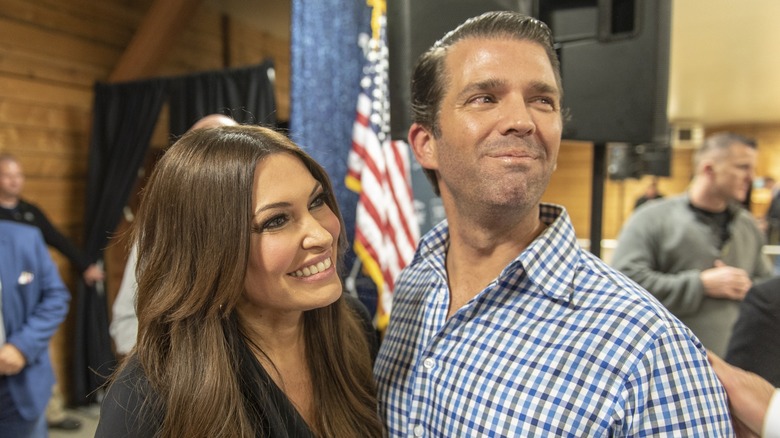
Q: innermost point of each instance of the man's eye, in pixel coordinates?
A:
(481, 99)
(546, 102)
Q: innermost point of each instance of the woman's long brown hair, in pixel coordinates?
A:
(193, 246)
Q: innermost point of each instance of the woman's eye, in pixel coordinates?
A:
(274, 222)
(319, 201)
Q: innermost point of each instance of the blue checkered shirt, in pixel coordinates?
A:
(559, 344)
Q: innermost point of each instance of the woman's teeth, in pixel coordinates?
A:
(313, 269)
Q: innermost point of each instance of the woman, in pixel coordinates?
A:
(243, 330)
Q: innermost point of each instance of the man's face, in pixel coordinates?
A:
(11, 179)
(733, 172)
(500, 124)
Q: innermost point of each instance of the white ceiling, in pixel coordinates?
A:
(724, 66)
(725, 62)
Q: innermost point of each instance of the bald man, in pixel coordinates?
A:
(124, 321)
(699, 252)
(213, 121)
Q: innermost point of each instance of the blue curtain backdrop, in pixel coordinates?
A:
(327, 65)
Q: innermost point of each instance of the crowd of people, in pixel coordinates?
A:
(502, 325)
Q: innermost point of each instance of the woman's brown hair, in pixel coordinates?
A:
(193, 239)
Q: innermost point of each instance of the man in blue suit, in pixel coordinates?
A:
(34, 302)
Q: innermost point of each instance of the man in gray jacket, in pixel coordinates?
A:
(700, 251)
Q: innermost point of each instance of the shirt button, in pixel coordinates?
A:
(418, 430)
(428, 363)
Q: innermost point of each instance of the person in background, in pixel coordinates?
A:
(755, 344)
(33, 303)
(502, 325)
(14, 208)
(699, 252)
(754, 402)
(243, 329)
(124, 321)
(651, 192)
(772, 225)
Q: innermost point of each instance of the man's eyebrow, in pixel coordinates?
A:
(492, 84)
(544, 87)
(487, 84)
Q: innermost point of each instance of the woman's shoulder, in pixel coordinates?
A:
(129, 407)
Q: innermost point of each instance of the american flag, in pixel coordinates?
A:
(386, 229)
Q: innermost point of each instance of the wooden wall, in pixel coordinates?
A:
(51, 54)
(571, 186)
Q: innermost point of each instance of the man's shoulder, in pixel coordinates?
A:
(616, 294)
(659, 205)
(19, 231)
(27, 205)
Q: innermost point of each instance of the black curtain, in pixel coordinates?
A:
(245, 94)
(124, 117)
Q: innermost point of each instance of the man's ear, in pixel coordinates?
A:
(708, 168)
(423, 145)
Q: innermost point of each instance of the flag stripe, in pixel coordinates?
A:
(386, 230)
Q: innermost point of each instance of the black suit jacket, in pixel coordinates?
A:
(755, 341)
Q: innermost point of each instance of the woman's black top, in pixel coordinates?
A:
(130, 407)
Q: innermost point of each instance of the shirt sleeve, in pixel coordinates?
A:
(681, 292)
(57, 240)
(772, 418)
(673, 391)
(124, 321)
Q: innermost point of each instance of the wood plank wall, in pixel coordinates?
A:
(51, 54)
(570, 184)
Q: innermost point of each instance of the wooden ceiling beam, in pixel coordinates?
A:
(153, 39)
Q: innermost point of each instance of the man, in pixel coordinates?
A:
(699, 252)
(34, 303)
(651, 192)
(754, 344)
(502, 325)
(772, 224)
(14, 208)
(124, 321)
(755, 403)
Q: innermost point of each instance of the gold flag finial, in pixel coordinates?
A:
(378, 9)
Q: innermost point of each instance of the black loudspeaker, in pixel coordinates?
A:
(614, 60)
(624, 161)
(615, 66)
(656, 159)
(628, 160)
(412, 27)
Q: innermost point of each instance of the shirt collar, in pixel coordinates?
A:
(550, 261)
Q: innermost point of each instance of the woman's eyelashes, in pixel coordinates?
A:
(319, 200)
(277, 221)
(274, 222)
